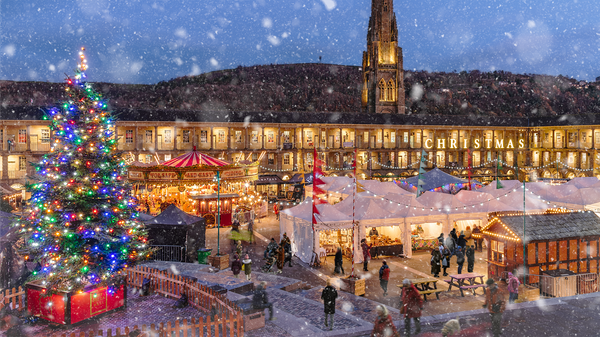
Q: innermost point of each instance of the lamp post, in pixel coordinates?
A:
(218, 213)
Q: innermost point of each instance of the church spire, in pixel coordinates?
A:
(383, 75)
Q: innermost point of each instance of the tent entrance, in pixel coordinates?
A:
(330, 240)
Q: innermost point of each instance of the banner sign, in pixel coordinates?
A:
(162, 176)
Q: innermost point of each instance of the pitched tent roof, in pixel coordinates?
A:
(553, 226)
(436, 178)
(173, 216)
(195, 158)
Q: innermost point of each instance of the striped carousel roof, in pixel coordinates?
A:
(195, 158)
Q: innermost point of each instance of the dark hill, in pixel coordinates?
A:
(334, 88)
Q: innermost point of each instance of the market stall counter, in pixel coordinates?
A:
(385, 246)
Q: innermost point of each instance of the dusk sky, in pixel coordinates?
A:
(137, 41)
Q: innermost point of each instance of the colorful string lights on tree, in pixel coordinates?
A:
(80, 224)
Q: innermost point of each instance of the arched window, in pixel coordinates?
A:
(382, 90)
(391, 87)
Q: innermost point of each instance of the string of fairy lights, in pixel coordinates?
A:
(483, 165)
(413, 165)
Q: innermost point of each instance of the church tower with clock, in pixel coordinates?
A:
(383, 75)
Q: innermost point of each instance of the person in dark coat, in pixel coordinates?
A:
(436, 258)
(328, 296)
(454, 237)
(287, 247)
(366, 250)
(460, 258)
(476, 230)
(260, 299)
(339, 262)
(236, 266)
(441, 239)
(446, 255)
(462, 241)
(384, 277)
(412, 304)
(470, 253)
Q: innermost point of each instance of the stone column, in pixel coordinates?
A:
(155, 138)
(5, 166)
(135, 139)
(175, 138)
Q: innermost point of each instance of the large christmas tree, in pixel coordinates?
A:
(80, 223)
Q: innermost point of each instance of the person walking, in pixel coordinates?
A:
(260, 299)
(247, 266)
(384, 277)
(328, 296)
(236, 266)
(477, 231)
(454, 237)
(436, 258)
(339, 262)
(251, 231)
(470, 253)
(384, 326)
(412, 304)
(446, 255)
(462, 241)
(276, 210)
(460, 259)
(366, 250)
(513, 288)
(239, 248)
(495, 303)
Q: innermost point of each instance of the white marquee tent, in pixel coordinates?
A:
(383, 205)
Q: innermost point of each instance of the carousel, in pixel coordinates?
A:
(196, 183)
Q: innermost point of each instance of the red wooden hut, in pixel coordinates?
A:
(555, 240)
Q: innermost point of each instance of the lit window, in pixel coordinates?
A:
(497, 251)
(271, 159)
(22, 136)
(45, 136)
(238, 136)
(185, 136)
(270, 137)
(128, 136)
(168, 136)
(203, 136)
(221, 136)
(286, 159)
(22, 163)
(149, 136)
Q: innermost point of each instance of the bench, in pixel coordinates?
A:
(472, 287)
(431, 291)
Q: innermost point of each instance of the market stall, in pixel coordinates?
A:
(425, 235)
(376, 224)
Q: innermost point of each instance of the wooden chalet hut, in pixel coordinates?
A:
(555, 240)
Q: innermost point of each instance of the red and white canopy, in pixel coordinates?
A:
(195, 158)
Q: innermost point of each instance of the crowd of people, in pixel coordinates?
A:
(462, 246)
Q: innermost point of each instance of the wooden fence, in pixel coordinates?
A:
(224, 317)
(13, 299)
